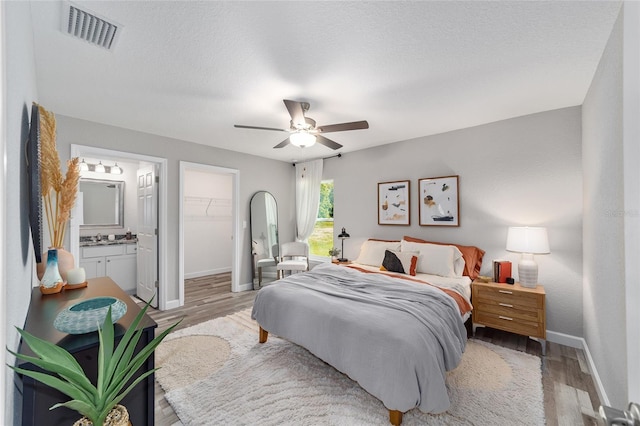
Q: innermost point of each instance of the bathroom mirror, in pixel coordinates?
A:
(102, 203)
(264, 238)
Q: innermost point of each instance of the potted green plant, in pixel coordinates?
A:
(334, 252)
(115, 369)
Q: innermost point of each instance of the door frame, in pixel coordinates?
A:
(235, 254)
(74, 233)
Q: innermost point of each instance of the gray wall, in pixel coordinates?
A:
(19, 260)
(604, 280)
(255, 174)
(522, 171)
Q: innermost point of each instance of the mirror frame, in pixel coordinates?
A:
(251, 225)
(119, 223)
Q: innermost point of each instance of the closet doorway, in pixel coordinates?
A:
(208, 242)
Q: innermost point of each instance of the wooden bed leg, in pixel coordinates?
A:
(395, 417)
(264, 334)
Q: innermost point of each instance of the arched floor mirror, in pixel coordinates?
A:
(264, 238)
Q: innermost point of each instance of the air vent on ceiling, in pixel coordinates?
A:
(89, 27)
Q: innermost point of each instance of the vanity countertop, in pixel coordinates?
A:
(106, 242)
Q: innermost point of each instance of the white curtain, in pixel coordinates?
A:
(308, 179)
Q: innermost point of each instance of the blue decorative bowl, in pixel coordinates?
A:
(88, 315)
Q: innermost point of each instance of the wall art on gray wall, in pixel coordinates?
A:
(439, 201)
(393, 203)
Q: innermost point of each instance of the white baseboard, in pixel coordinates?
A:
(245, 287)
(172, 304)
(580, 343)
(199, 274)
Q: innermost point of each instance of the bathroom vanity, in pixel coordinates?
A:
(114, 259)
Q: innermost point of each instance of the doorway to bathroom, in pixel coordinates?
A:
(208, 243)
(142, 269)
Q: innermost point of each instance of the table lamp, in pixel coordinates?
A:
(343, 235)
(528, 241)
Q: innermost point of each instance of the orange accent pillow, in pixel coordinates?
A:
(472, 256)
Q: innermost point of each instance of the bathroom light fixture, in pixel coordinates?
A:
(116, 170)
(302, 139)
(528, 241)
(100, 168)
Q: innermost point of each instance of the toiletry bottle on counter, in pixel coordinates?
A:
(128, 235)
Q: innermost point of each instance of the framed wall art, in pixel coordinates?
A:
(393, 203)
(439, 201)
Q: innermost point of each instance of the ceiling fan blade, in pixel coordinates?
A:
(295, 111)
(240, 126)
(327, 142)
(283, 143)
(354, 125)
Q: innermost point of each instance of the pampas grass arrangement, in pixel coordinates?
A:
(59, 193)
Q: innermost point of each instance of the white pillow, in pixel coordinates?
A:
(372, 251)
(436, 259)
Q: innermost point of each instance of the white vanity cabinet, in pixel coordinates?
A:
(117, 261)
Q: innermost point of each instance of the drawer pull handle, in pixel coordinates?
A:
(506, 305)
(505, 291)
(505, 318)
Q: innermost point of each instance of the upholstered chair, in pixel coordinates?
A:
(293, 257)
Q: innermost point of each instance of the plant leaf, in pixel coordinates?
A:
(81, 407)
(54, 382)
(105, 351)
(80, 381)
(124, 342)
(117, 399)
(50, 352)
(130, 369)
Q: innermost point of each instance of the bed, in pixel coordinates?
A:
(395, 331)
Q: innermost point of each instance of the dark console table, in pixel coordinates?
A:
(37, 398)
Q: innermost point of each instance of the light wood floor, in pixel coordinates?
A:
(570, 397)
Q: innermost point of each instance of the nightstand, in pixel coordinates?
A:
(512, 308)
(341, 262)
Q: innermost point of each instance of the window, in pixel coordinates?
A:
(321, 240)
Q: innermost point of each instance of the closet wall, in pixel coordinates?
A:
(207, 223)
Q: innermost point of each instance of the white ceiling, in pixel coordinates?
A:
(191, 70)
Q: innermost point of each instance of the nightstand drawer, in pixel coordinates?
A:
(508, 296)
(511, 323)
(524, 313)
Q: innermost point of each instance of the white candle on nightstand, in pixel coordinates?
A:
(76, 276)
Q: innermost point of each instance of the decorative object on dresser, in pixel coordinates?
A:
(343, 235)
(51, 281)
(394, 203)
(439, 201)
(58, 191)
(528, 241)
(512, 308)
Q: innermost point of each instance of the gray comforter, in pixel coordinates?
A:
(394, 337)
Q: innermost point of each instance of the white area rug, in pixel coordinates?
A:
(216, 373)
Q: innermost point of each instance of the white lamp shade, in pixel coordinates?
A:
(84, 167)
(302, 139)
(116, 170)
(99, 167)
(526, 239)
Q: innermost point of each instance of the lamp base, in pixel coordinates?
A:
(528, 271)
(342, 259)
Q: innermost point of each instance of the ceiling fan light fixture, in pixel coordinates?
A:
(302, 139)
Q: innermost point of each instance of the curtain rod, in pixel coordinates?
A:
(325, 158)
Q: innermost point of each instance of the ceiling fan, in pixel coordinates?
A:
(303, 131)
